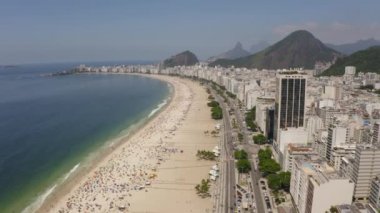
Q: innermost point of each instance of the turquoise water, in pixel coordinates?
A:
(50, 124)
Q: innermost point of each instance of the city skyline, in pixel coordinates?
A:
(43, 32)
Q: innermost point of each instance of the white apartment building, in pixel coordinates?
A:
(315, 186)
(295, 150)
(366, 167)
(374, 195)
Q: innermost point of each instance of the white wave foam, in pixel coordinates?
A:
(71, 172)
(157, 108)
(40, 199)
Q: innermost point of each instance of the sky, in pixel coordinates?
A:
(45, 31)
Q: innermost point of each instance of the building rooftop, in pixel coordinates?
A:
(317, 168)
(299, 148)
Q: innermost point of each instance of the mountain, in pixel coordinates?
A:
(236, 52)
(186, 58)
(299, 49)
(350, 48)
(258, 47)
(365, 61)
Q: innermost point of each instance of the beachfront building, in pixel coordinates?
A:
(315, 186)
(289, 111)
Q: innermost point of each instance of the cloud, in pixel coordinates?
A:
(334, 32)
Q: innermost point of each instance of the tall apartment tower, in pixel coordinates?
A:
(290, 100)
(376, 133)
(366, 166)
(289, 110)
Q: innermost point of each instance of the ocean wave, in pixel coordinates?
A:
(41, 199)
(71, 172)
(159, 106)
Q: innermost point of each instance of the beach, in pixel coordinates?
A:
(153, 170)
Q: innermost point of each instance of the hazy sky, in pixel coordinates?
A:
(33, 31)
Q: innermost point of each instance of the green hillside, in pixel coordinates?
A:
(365, 61)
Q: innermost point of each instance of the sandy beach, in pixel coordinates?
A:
(154, 170)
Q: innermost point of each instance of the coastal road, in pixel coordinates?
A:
(252, 149)
(228, 179)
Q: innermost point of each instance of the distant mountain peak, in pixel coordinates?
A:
(185, 58)
(236, 52)
(302, 33)
(238, 45)
(298, 49)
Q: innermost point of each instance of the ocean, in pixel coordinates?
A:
(50, 125)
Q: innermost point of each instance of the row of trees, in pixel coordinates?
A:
(250, 118)
(231, 95)
(243, 165)
(216, 110)
(271, 170)
(220, 90)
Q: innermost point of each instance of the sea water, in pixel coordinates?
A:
(49, 125)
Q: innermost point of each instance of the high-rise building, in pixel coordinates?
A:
(270, 123)
(366, 167)
(337, 136)
(290, 100)
(289, 110)
(349, 73)
(376, 133)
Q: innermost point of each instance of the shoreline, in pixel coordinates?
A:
(95, 157)
(103, 185)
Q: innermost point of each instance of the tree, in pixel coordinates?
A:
(333, 209)
(243, 166)
(216, 113)
(240, 137)
(205, 155)
(269, 166)
(240, 154)
(213, 104)
(264, 154)
(203, 188)
(274, 182)
(285, 180)
(259, 139)
(279, 181)
(250, 118)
